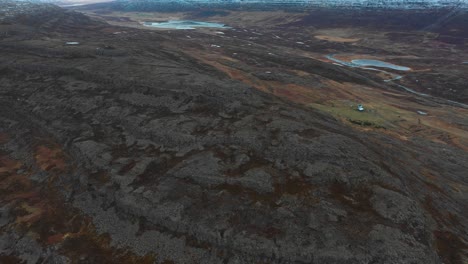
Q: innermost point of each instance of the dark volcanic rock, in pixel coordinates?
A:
(145, 164)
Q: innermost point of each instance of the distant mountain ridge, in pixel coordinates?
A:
(292, 4)
(160, 5)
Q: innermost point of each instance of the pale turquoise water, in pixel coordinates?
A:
(364, 63)
(380, 64)
(184, 24)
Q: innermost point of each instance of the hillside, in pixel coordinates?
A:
(156, 146)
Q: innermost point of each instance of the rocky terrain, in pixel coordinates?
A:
(151, 146)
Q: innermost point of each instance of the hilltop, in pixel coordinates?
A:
(145, 145)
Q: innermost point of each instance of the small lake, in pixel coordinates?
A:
(380, 64)
(184, 24)
(363, 64)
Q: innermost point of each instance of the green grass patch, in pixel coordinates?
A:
(349, 112)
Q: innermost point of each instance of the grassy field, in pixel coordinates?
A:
(372, 116)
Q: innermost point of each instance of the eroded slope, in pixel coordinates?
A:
(124, 149)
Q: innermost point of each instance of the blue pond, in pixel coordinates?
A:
(380, 64)
(184, 24)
